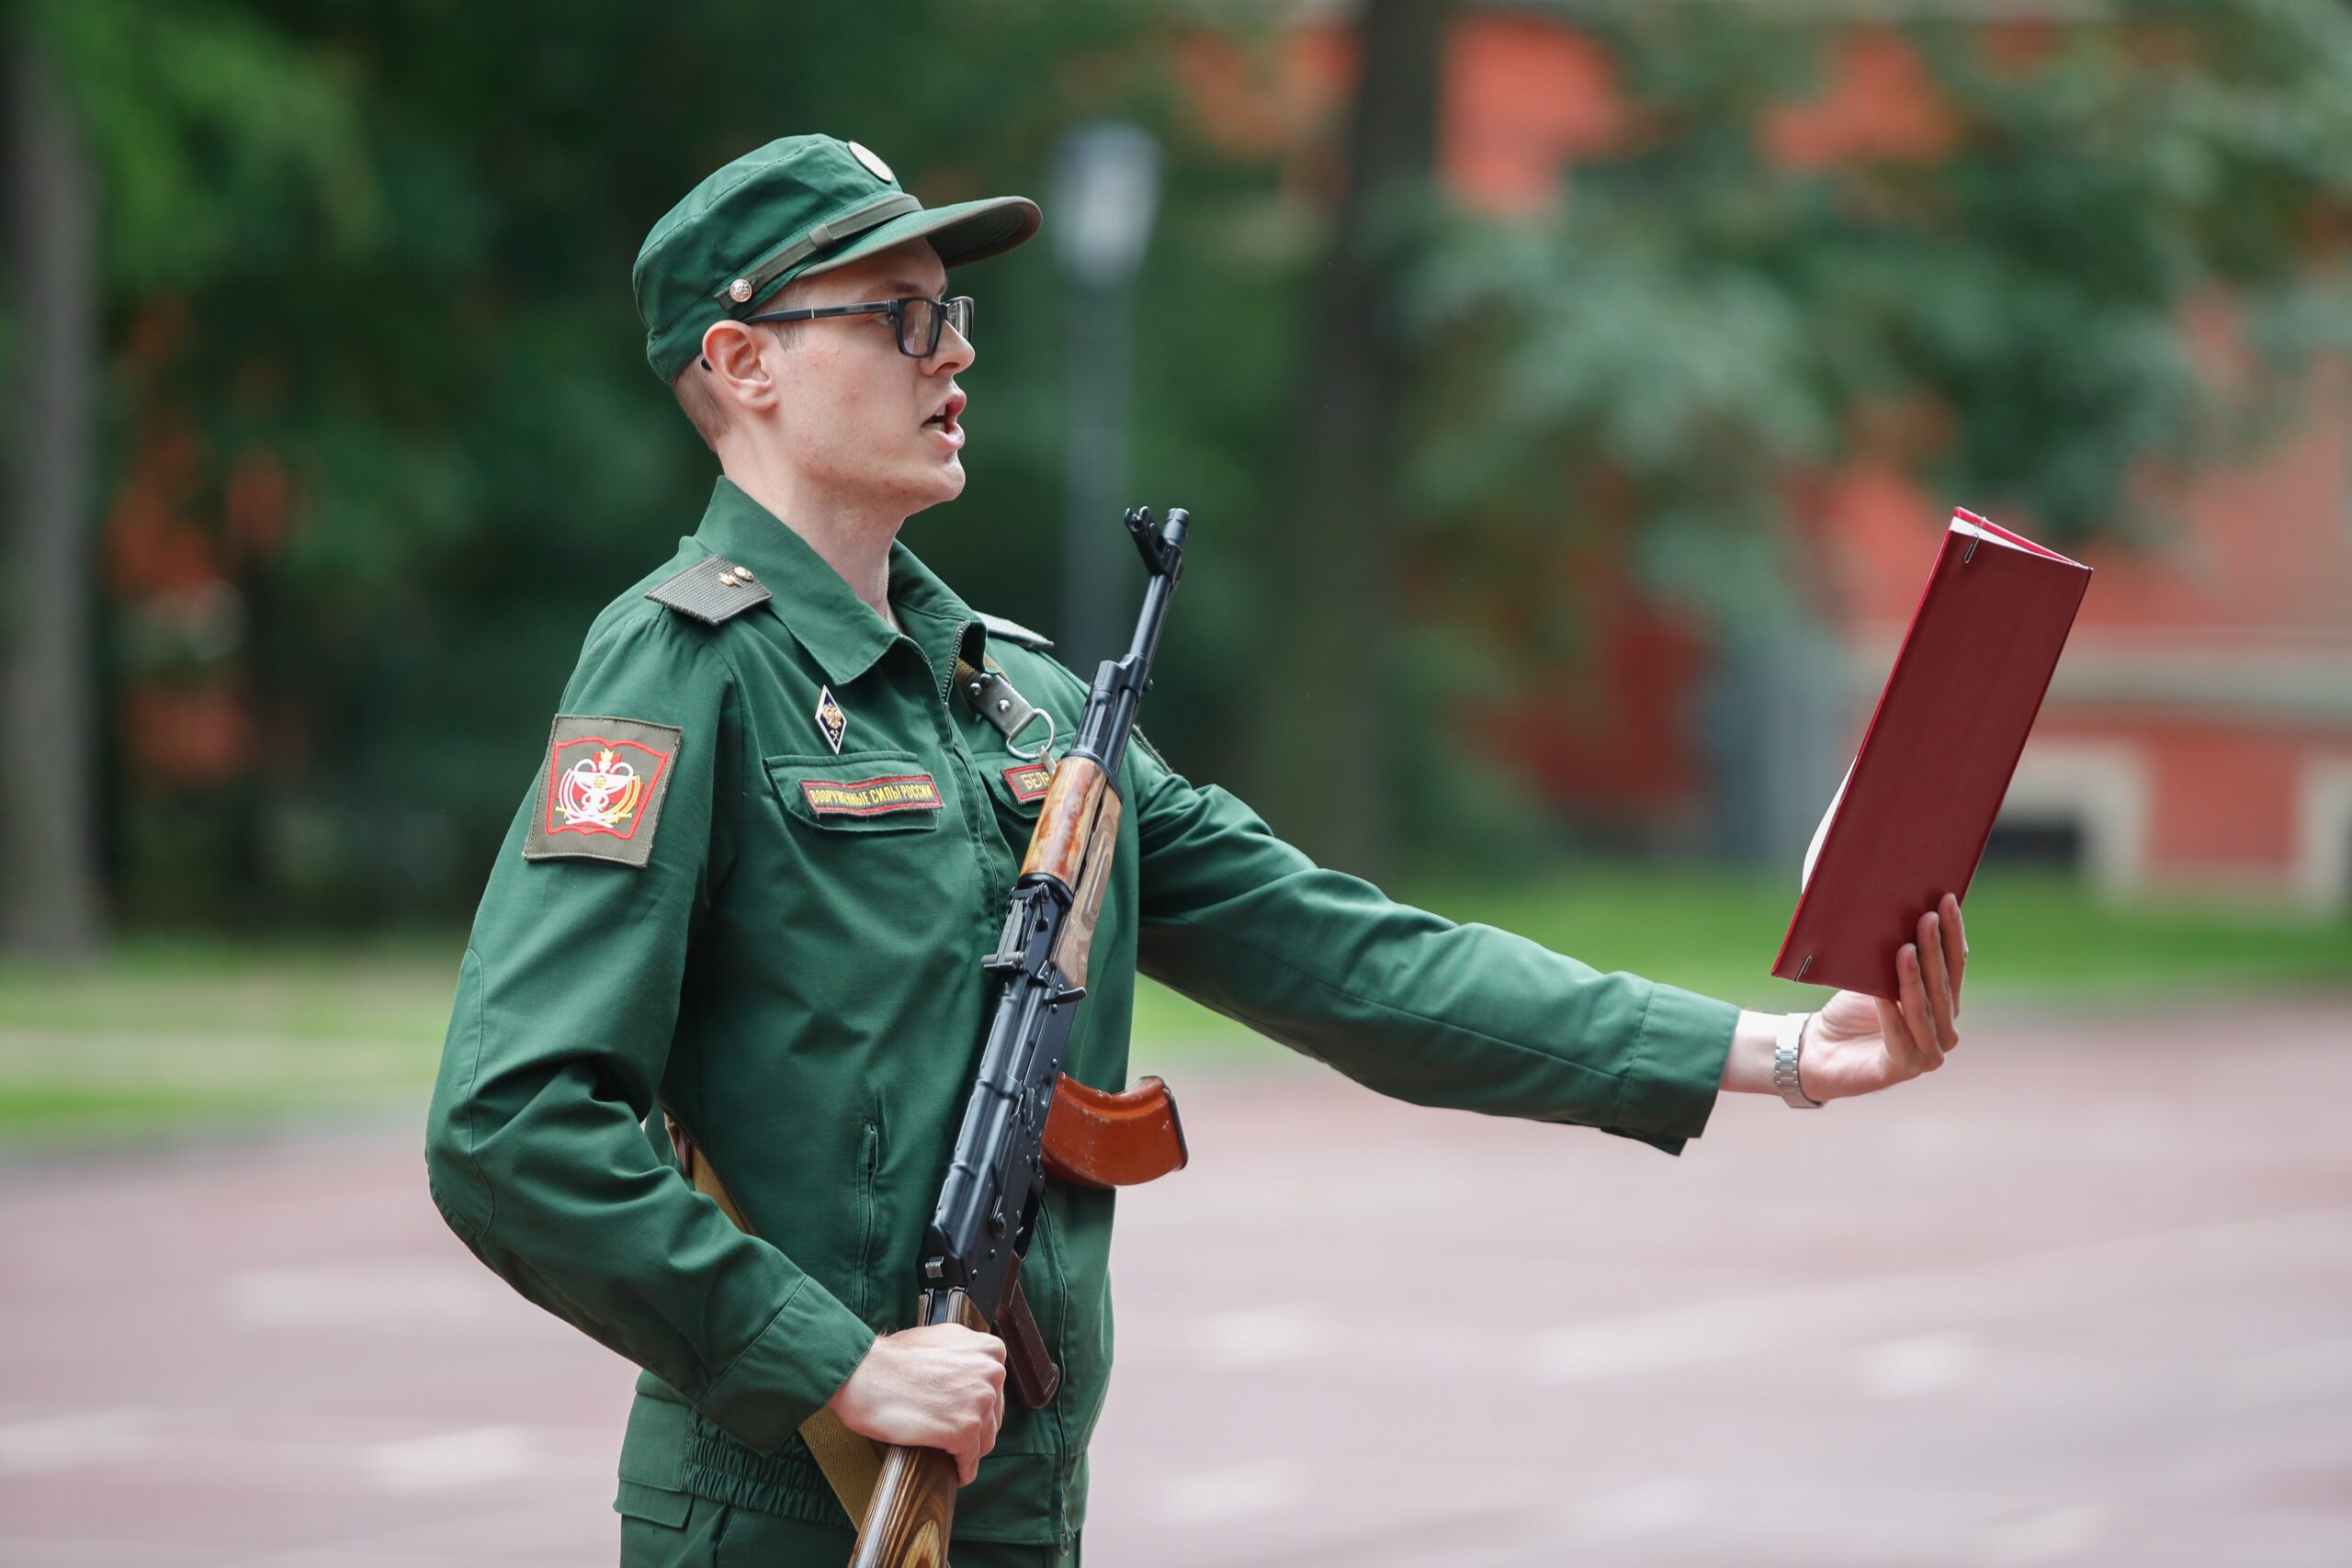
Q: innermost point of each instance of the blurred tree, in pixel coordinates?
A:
(49, 830)
(379, 434)
(375, 436)
(154, 153)
(2047, 266)
(1320, 762)
(2096, 249)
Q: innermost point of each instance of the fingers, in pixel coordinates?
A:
(1936, 980)
(936, 1386)
(1900, 1051)
(984, 1419)
(1955, 946)
(1921, 1028)
(991, 1415)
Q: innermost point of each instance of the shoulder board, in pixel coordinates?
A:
(711, 590)
(1012, 631)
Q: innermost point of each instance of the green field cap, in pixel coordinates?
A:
(800, 205)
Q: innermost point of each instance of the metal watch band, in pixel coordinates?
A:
(1786, 1049)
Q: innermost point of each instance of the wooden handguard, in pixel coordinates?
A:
(1077, 827)
(1064, 822)
(1095, 1138)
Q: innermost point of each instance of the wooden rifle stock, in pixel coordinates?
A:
(913, 1506)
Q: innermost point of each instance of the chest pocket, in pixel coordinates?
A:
(858, 792)
(876, 889)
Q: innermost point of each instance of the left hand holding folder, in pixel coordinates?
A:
(1859, 1044)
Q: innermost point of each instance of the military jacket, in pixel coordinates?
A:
(779, 942)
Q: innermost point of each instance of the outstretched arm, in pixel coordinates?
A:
(1405, 1002)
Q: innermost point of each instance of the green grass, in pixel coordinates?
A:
(168, 1033)
(2034, 939)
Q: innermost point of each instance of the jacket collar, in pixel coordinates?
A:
(838, 628)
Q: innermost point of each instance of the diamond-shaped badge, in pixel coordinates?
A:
(830, 717)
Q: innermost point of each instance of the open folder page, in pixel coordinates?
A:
(1909, 823)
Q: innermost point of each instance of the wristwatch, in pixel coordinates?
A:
(1785, 1051)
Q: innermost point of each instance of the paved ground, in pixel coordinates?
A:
(2084, 1298)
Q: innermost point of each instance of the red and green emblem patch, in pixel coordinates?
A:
(601, 790)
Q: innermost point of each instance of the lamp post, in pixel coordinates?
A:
(1105, 192)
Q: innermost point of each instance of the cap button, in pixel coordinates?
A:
(739, 290)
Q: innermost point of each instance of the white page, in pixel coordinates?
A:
(1813, 851)
(1968, 523)
(1960, 525)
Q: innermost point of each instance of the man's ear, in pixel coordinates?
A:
(738, 373)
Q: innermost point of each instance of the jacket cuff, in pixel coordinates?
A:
(788, 1373)
(1677, 1068)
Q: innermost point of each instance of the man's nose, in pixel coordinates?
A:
(955, 351)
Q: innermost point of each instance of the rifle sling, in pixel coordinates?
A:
(993, 697)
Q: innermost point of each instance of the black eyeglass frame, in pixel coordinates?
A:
(941, 313)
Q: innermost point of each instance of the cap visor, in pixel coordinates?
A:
(964, 231)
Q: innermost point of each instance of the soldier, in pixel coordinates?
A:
(765, 848)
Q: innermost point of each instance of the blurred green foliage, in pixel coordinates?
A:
(1986, 281)
(383, 248)
(373, 255)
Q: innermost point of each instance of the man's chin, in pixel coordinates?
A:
(948, 479)
(943, 482)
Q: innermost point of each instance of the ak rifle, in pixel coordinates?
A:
(988, 1207)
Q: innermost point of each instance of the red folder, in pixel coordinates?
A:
(1909, 823)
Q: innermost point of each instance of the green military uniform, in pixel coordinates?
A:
(750, 884)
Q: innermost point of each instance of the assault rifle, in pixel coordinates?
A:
(986, 1213)
(1027, 1120)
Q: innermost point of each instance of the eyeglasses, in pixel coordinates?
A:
(918, 319)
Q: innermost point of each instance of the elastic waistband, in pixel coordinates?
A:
(671, 1447)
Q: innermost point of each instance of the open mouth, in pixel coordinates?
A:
(946, 420)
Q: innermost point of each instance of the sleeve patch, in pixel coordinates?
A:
(601, 790)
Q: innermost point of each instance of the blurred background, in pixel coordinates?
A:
(1571, 395)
